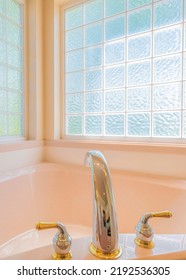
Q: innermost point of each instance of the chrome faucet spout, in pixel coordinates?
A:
(105, 227)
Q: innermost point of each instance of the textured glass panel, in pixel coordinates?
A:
(93, 11)
(185, 37)
(2, 52)
(167, 40)
(167, 12)
(14, 125)
(93, 57)
(139, 47)
(2, 76)
(114, 52)
(139, 21)
(137, 3)
(74, 103)
(2, 6)
(114, 77)
(93, 102)
(74, 39)
(2, 28)
(93, 34)
(139, 124)
(167, 96)
(114, 125)
(167, 69)
(114, 101)
(74, 82)
(111, 8)
(73, 17)
(139, 73)
(14, 57)
(74, 61)
(14, 79)
(184, 67)
(74, 125)
(2, 101)
(166, 124)
(93, 125)
(14, 34)
(14, 11)
(14, 102)
(114, 28)
(3, 131)
(139, 98)
(93, 80)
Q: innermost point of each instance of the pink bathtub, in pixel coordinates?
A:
(57, 192)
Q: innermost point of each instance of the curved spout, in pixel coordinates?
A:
(105, 227)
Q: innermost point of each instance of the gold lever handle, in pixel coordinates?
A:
(43, 225)
(162, 214)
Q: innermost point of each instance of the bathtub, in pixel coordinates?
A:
(62, 192)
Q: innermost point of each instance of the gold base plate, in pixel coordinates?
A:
(144, 244)
(61, 257)
(105, 256)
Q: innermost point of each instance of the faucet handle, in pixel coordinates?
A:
(144, 232)
(61, 242)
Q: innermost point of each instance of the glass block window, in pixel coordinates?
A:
(125, 68)
(11, 69)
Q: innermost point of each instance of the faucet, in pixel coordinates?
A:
(104, 243)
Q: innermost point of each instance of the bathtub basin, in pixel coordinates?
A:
(60, 192)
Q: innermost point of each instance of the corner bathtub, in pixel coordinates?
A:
(59, 192)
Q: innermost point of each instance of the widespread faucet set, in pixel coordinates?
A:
(104, 243)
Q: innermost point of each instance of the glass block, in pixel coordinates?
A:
(93, 102)
(139, 99)
(184, 124)
(167, 12)
(74, 103)
(139, 21)
(184, 94)
(2, 52)
(14, 34)
(74, 82)
(185, 37)
(93, 80)
(2, 28)
(114, 125)
(3, 130)
(167, 40)
(93, 34)
(93, 11)
(111, 8)
(184, 66)
(14, 11)
(139, 47)
(15, 80)
(2, 101)
(14, 125)
(167, 69)
(2, 6)
(93, 57)
(166, 124)
(2, 76)
(115, 28)
(74, 125)
(74, 61)
(132, 4)
(139, 73)
(114, 52)
(14, 57)
(93, 125)
(74, 39)
(73, 17)
(139, 124)
(167, 96)
(14, 102)
(115, 101)
(114, 77)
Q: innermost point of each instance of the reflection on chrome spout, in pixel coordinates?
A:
(105, 229)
